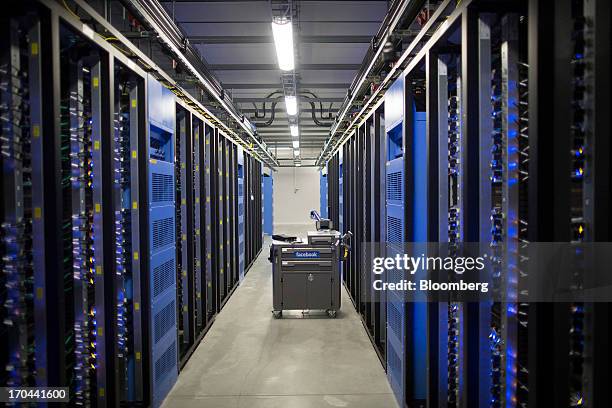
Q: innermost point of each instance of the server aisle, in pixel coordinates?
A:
(136, 193)
(248, 359)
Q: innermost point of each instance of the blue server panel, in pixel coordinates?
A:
(323, 194)
(419, 234)
(394, 235)
(268, 200)
(240, 193)
(162, 239)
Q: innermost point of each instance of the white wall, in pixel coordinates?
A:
(296, 192)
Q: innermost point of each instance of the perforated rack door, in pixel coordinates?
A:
(162, 241)
(240, 193)
(396, 315)
(395, 236)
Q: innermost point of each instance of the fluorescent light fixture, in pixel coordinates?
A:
(296, 152)
(294, 130)
(291, 105)
(296, 144)
(283, 41)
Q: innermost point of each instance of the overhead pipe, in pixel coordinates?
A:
(257, 116)
(314, 116)
(272, 116)
(330, 115)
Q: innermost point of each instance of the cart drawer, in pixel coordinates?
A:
(313, 265)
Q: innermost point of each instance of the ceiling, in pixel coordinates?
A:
(235, 40)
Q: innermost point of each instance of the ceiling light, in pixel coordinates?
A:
(294, 130)
(296, 144)
(296, 152)
(298, 164)
(283, 41)
(291, 105)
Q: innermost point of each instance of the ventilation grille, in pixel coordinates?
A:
(164, 320)
(394, 370)
(163, 232)
(394, 320)
(161, 188)
(395, 276)
(394, 230)
(165, 363)
(163, 277)
(394, 186)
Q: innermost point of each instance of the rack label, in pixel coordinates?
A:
(307, 254)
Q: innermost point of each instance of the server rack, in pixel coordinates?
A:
(333, 194)
(253, 210)
(209, 219)
(262, 175)
(231, 217)
(241, 211)
(234, 217)
(219, 217)
(367, 225)
(227, 249)
(162, 238)
(183, 170)
(86, 130)
(378, 225)
(129, 144)
(247, 212)
(268, 202)
(22, 208)
(395, 234)
(568, 93)
(199, 217)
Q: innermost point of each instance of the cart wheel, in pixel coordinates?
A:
(277, 314)
(331, 313)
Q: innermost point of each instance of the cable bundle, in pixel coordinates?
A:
(578, 225)
(83, 238)
(454, 236)
(497, 218)
(123, 224)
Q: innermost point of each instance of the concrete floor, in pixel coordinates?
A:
(249, 359)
